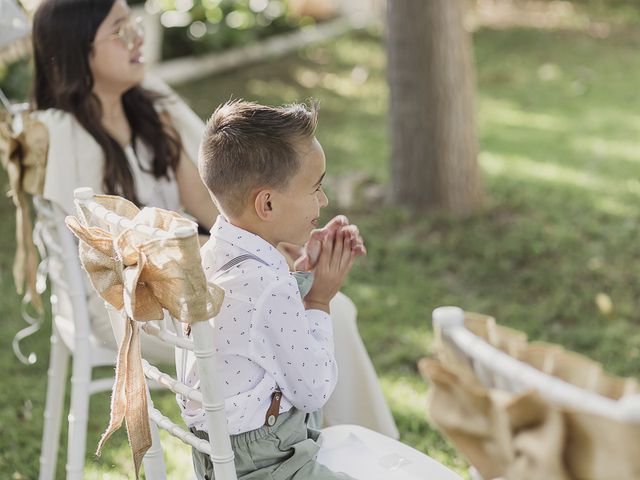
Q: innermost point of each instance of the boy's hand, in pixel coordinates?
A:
(303, 259)
(333, 265)
(311, 250)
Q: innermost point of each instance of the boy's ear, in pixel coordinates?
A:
(262, 205)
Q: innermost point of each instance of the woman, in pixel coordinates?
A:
(112, 129)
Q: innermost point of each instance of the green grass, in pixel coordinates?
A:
(559, 133)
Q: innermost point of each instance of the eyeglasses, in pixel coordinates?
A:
(128, 32)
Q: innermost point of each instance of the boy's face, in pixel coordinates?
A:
(296, 208)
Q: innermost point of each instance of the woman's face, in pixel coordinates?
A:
(116, 61)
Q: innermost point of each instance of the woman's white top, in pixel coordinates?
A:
(152, 191)
(75, 159)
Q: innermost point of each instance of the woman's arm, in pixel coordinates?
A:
(194, 196)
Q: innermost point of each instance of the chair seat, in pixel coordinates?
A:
(368, 455)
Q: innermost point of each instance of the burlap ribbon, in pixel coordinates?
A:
(521, 436)
(141, 276)
(23, 154)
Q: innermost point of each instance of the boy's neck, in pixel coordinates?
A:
(251, 225)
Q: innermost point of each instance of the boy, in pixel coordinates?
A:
(264, 168)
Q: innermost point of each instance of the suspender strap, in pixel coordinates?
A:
(225, 268)
(274, 409)
(239, 259)
(187, 328)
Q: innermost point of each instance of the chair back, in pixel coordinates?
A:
(70, 300)
(71, 336)
(201, 342)
(527, 410)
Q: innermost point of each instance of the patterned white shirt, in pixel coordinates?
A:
(265, 339)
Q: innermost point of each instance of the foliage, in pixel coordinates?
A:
(15, 79)
(210, 25)
(559, 135)
(618, 10)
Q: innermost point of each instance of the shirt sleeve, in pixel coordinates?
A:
(294, 345)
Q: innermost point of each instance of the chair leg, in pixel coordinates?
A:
(153, 460)
(56, 383)
(79, 409)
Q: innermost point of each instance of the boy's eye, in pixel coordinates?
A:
(319, 188)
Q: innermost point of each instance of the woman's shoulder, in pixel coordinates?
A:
(65, 131)
(57, 121)
(51, 115)
(74, 159)
(157, 85)
(165, 97)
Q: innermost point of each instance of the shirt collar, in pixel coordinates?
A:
(249, 242)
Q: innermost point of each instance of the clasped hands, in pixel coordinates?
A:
(329, 253)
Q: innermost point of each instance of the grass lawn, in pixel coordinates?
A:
(559, 133)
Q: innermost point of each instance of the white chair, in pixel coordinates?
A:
(499, 370)
(588, 402)
(70, 338)
(70, 333)
(357, 451)
(219, 446)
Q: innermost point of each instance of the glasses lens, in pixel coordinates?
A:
(138, 26)
(130, 31)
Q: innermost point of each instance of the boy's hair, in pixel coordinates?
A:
(248, 146)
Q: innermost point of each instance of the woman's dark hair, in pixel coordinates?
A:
(63, 33)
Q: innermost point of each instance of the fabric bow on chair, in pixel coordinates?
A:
(522, 436)
(23, 154)
(141, 276)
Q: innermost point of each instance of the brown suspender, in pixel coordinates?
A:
(274, 409)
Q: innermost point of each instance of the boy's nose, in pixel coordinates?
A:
(324, 200)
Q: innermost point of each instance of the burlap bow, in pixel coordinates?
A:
(23, 154)
(522, 436)
(141, 276)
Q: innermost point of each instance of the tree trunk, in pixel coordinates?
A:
(432, 89)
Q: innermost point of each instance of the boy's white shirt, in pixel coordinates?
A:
(265, 338)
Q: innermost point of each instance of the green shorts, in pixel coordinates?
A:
(286, 451)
